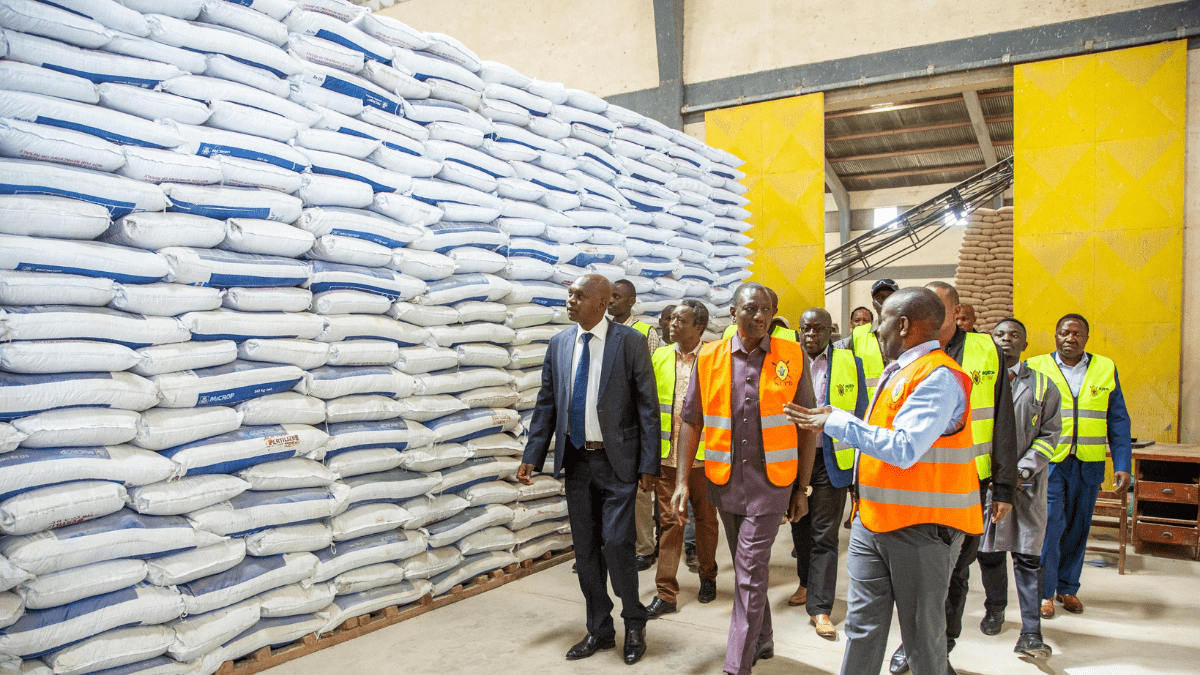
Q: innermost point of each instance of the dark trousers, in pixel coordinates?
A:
(670, 547)
(1027, 570)
(815, 537)
(956, 597)
(1070, 502)
(600, 507)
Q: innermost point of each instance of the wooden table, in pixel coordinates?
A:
(1166, 499)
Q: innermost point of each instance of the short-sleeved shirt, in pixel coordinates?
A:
(749, 492)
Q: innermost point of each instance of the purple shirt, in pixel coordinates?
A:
(749, 492)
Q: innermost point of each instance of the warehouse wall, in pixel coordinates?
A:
(601, 47)
(1099, 147)
(768, 34)
(1189, 418)
(783, 143)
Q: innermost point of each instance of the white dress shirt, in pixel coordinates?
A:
(936, 407)
(1073, 374)
(591, 419)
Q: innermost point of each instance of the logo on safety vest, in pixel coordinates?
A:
(977, 376)
(1097, 389)
(898, 387)
(781, 371)
(843, 389)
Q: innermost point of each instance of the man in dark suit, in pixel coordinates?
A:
(599, 401)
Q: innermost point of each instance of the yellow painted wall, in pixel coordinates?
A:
(1099, 146)
(783, 143)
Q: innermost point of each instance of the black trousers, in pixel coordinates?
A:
(1027, 570)
(815, 537)
(601, 510)
(956, 598)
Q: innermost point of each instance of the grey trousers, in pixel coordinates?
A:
(750, 539)
(909, 567)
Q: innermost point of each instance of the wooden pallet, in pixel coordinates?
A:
(269, 657)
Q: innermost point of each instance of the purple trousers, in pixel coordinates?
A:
(750, 540)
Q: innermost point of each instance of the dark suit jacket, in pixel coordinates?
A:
(627, 404)
(837, 477)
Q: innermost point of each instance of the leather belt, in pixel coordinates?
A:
(593, 445)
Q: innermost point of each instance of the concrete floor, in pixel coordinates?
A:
(1142, 623)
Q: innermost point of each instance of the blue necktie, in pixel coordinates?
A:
(575, 424)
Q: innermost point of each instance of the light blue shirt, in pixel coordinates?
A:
(935, 408)
(1073, 374)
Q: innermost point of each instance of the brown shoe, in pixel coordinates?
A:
(824, 626)
(1071, 603)
(799, 597)
(1048, 609)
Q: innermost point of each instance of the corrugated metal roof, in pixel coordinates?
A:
(904, 145)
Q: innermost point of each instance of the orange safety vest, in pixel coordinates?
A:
(943, 487)
(781, 372)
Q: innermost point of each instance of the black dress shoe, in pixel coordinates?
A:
(590, 645)
(708, 590)
(635, 645)
(658, 607)
(763, 651)
(1030, 644)
(992, 622)
(899, 662)
(645, 562)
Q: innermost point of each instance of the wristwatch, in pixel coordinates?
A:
(807, 490)
(1025, 473)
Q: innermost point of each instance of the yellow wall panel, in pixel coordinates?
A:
(1099, 147)
(783, 143)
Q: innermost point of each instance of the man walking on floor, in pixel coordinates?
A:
(917, 491)
(598, 402)
(1036, 402)
(757, 463)
(1093, 412)
(620, 308)
(673, 368)
(995, 436)
(838, 381)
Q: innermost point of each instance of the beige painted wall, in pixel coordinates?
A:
(1189, 398)
(722, 40)
(602, 47)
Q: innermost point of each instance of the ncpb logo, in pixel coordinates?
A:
(843, 389)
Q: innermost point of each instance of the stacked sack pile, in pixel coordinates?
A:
(985, 266)
(276, 284)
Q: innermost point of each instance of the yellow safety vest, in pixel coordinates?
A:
(641, 327)
(981, 361)
(1084, 417)
(843, 394)
(663, 359)
(782, 333)
(866, 347)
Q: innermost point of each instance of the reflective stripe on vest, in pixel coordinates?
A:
(781, 372)
(843, 394)
(1084, 417)
(777, 331)
(663, 359)
(943, 487)
(981, 361)
(866, 347)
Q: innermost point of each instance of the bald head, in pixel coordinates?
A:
(950, 303)
(816, 327)
(910, 316)
(587, 299)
